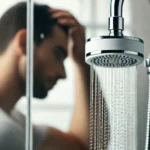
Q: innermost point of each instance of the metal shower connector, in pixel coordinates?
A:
(116, 21)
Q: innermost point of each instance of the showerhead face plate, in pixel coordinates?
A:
(114, 52)
(122, 59)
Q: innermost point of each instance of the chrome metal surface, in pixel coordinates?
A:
(116, 21)
(29, 81)
(114, 59)
(114, 37)
(147, 63)
(116, 7)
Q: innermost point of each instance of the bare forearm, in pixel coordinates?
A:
(80, 121)
(58, 140)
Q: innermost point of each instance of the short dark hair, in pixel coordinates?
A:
(14, 19)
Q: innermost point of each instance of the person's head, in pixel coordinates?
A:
(50, 45)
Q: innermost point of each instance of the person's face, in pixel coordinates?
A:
(49, 62)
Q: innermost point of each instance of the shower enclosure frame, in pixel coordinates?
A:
(29, 73)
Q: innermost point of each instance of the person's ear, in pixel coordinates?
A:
(20, 41)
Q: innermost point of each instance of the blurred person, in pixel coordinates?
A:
(54, 30)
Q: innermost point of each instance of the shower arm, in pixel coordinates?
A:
(116, 21)
(116, 7)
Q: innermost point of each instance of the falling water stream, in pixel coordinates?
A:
(113, 108)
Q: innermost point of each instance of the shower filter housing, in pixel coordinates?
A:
(114, 51)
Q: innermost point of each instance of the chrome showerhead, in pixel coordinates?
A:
(114, 51)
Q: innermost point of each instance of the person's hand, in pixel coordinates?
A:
(76, 32)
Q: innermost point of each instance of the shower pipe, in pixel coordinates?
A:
(147, 143)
